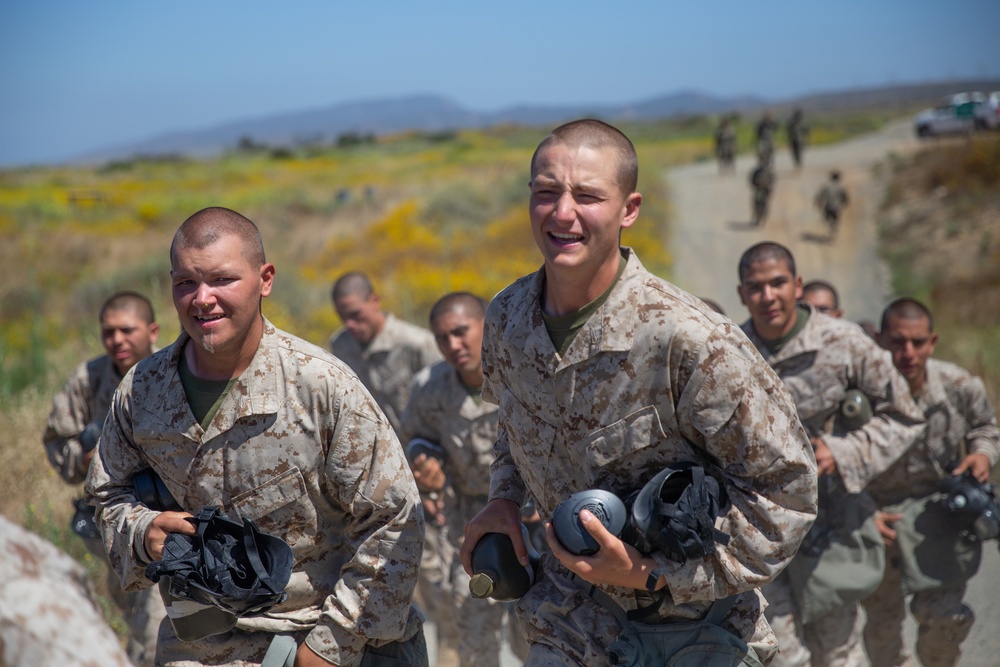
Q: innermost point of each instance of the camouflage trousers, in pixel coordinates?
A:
(480, 624)
(943, 621)
(433, 591)
(143, 611)
(831, 641)
(237, 648)
(565, 626)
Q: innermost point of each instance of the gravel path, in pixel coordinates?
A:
(710, 233)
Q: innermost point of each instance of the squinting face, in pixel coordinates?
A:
(911, 343)
(127, 338)
(460, 339)
(770, 292)
(577, 207)
(217, 295)
(362, 317)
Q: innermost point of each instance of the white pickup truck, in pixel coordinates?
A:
(959, 113)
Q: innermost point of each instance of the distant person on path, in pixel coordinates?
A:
(765, 130)
(797, 135)
(239, 415)
(606, 375)
(831, 200)
(823, 297)
(725, 145)
(961, 432)
(48, 616)
(446, 408)
(821, 359)
(128, 333)
(762, 184)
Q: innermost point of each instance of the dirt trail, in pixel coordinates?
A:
(711, 210)
(710, 233)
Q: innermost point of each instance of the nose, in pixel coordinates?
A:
(767, 293)
(203, 297)
(565, 208)
(453, 344)
(118, 337)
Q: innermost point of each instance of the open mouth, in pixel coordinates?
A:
(561, 238)
(207, 319)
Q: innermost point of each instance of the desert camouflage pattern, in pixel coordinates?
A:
(441, 410)
(300, 447)
(958, 410)
(826, 359)
(819, 366)
(84, 398)
(388, 363)
(47, 610)
(653, 378)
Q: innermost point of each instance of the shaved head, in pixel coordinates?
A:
(210, 224)
(907, 309)
(353, 283)
(763, 252)
(132, 302)
(597, 135)
(470, 304)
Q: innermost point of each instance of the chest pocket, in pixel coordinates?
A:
(279, 506)
(615, 453)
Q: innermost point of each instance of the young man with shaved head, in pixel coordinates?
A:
(606, 375)
(239, 415)
(446, 407)
(961, 436)
(823, 297)
(383, 350)
(128, 332)
(820, 359)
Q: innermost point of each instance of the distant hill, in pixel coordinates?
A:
(432, 113)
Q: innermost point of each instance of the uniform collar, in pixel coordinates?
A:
(610, 329)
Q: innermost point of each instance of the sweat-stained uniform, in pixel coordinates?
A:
(388, 363)
(85, 398)
(47, 611)
(957, 410)
(827, 358)
(298, 446)
(442, 410)
(653, 378)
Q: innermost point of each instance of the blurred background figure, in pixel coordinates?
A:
(725, 145)
(762, 184)
(765, 131)
(831, 200)
(823, 297)
(797, 135)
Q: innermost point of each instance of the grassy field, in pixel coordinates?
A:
(422, 214)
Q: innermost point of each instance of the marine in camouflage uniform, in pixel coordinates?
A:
(725, 145)
(446, 407)
(958, 412)
(129, 332)
(386, 353)
(605, 375)
(294, 442)
(820, 358)
(47, 611)
(797, 133)
(831, 200)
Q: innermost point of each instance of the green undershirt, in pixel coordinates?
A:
(204, 396)
(564, 328)
(801, 317)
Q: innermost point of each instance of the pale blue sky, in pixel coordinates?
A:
(77, 75)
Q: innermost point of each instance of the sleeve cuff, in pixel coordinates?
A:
(336, 645)
(849, 465)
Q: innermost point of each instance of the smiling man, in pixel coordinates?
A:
(128, 333)
(820, 359)
(605, 375)
(239, 415)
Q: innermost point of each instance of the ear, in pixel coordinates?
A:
(933, 343)
(154, 333)
(798, 288)
(632, 204)
(739, 290)
(266, 279)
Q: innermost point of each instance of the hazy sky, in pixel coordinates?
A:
(77, 75)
